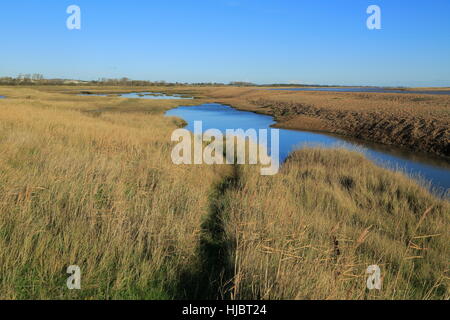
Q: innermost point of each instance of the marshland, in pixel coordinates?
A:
(87, 179)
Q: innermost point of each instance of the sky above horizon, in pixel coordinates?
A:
(260, 41)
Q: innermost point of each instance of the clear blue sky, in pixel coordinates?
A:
(263, 41)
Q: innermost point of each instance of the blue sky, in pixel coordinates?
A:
(263, 41)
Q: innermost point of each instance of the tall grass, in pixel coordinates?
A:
(98, 191)
(311, 231)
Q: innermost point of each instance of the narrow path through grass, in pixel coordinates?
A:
(210, 276)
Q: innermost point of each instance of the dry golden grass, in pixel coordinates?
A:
(89, 181)
(94, 190)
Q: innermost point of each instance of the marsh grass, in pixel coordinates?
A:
(339, 214)
(99, 192)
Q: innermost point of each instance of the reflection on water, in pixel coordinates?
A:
(368, 89)
(2, 97)
(434, 170)
(155, 95)
(142, 95)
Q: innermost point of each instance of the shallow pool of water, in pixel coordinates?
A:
(2, 97)
(434, 170)
(155, 95)
(369, 89)
(142, 95)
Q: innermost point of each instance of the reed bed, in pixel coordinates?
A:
(339, 214)
(97, 190)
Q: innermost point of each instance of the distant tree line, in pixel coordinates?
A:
(38, 79)
(30, 79)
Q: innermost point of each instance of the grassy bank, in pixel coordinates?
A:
(89, 181)
(338, 215)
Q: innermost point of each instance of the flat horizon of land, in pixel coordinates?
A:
(38, 79)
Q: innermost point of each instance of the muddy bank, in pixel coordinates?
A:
(413, 133)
